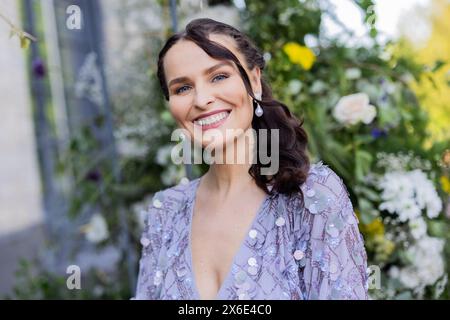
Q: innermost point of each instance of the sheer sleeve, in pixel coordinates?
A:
(335, 261)
(149, 276)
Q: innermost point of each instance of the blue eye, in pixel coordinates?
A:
(180, 90)
(220, 77)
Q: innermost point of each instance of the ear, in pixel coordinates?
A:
(255, 79)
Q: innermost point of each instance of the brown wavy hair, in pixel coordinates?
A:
(294, 163)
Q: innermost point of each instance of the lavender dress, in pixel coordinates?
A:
(289, 252)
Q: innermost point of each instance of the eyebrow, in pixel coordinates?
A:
(207, 71)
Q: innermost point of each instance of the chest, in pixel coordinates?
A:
(217, 235)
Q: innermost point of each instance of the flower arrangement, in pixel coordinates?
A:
(364, 120)
(408, 204)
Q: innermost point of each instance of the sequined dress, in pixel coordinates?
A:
(314, 251)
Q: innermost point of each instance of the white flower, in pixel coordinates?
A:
(427, 263)
(352, 73)
(409, 278)
(353, 109)
(418, 228)
(440, 286)
(163, 155)
(394, 272)
(96, 230)
(407, 77)
(267, 56)
(409, 210)
(317, 87)
(390, 87)
(294, 86)
(284, 17)
(172, 175)
(311, 41)
(140, 210)
(426, 194)
(407, 194)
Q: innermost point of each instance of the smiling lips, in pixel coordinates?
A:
(212, 121)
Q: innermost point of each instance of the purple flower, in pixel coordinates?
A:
(93, 175)
(378, 133)
(38, 68)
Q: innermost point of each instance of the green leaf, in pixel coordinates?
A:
(368, 213)
(368, 193)
(406, 115)
(406, 295)
(438, 65)
(363, 161)
(433, 82)
(437, 229)
(167, 117)
(364, 139)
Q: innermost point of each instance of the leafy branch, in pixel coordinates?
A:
(24, 37)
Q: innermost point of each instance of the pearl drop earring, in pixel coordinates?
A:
(259, 111)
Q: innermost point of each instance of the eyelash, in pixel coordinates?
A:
(226, 76)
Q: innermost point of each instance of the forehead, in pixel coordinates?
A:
(185, 57)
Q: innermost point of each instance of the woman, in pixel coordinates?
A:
(237, 233)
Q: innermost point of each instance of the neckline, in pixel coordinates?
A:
(193, 197)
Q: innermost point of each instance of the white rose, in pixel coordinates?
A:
(354, 108)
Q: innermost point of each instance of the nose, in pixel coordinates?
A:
(203, 97)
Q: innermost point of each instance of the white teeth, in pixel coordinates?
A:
(212, 119)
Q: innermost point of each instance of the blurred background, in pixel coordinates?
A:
(85, 130)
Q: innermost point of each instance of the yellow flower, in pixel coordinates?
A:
(300, 55)
(445, 182)
(383, 248)
(374, 228)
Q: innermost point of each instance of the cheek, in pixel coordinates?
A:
(178, 108)
(236, 93)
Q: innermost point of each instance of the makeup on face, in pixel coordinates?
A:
(206, 93)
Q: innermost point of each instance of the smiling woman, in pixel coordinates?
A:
(236, 233)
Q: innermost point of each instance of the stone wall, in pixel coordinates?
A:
(20, 202)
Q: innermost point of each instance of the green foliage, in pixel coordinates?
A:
(35, 284)
(380, 72)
